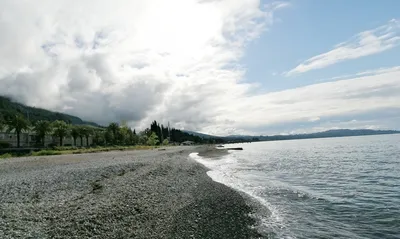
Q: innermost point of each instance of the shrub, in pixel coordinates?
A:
(153, 139)
(165, 142)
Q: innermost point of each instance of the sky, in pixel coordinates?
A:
(220, 67)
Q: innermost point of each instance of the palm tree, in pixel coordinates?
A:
(108, 137)
(60, 130)
(19, 124)
(87, 132)
(114, 128)
(82, 132)
(101, 134)
(98, 136)
(1, 125)
(75, 133)
(41, 128)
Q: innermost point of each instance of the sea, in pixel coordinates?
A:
(346, 187)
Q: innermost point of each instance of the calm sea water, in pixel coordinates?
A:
(319, 188)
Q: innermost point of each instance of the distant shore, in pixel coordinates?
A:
(125, 194)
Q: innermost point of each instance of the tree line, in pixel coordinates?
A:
(113, 134)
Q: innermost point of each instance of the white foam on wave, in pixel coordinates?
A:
(227, 171)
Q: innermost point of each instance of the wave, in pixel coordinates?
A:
(226, 170)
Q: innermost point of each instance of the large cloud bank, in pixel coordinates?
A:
(176, 61)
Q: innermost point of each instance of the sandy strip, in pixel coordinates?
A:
(129, 194)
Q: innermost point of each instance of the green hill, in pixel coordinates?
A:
(9, 107)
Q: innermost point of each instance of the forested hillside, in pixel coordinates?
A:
(9, 108)
(19, 117)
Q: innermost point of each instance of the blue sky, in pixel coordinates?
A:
(215, 66)
(308, 28)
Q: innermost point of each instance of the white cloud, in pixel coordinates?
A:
(364, 73)
(309, 103)
(314, 119)
(171, 61)
(128, 60)
(363, 44)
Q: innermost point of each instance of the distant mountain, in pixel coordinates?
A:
(325, 134)
(204, 136)
(10, 107)
(330, 134)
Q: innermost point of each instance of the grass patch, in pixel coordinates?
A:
(46, 153)
(4, 156)
(65, 148)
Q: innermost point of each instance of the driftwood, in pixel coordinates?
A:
(235, 148)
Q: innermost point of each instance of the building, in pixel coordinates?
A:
(28, 140)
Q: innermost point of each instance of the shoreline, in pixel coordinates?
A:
(127, 194)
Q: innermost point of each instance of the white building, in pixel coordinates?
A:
(28, 139)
